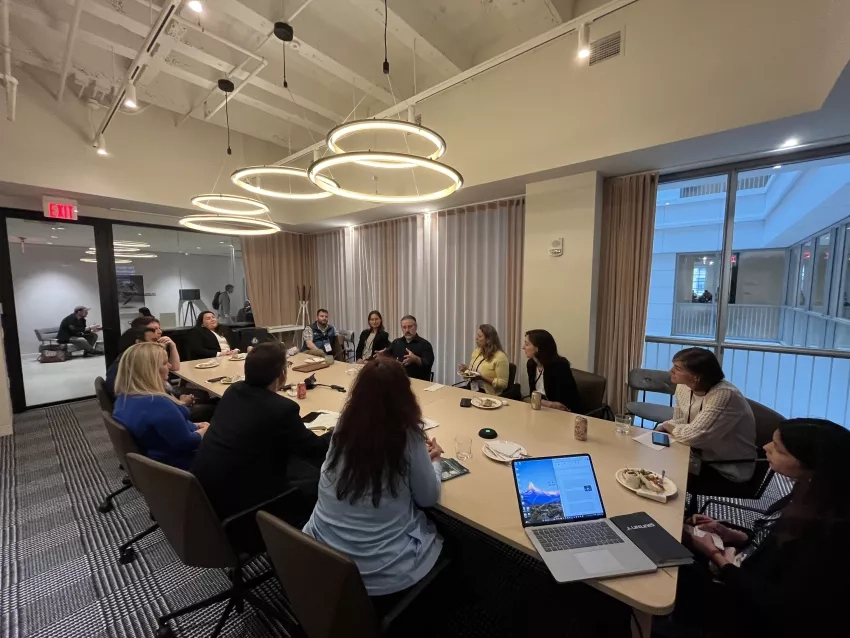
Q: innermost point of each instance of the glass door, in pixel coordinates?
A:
(57, 305)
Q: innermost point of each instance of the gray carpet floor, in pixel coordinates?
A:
(61, 577)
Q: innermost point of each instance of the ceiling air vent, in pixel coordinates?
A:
(604, 48)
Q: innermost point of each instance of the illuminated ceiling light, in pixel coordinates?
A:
(584, 41)
(358, 158)
(240, 178)
(130, 96)
(791, 142)
(257, 207)
(119, 243)
(143, 256)
(91, 260)
(196, 5)
(239, 225)
(101, 145)
(777, 167)
(407, 128)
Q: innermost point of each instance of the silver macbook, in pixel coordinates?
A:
(563, 515)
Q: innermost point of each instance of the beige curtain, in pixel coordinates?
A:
(628, 217)
(274, 266)
(513, 284)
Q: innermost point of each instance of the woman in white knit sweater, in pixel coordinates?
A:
(712, 417)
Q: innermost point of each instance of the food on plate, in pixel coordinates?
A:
(631, 478)
(637, 478)
(469, 374)
(234, 379)
(488, 403)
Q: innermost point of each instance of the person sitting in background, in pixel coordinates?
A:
(549, 373)
(373, 339)
(787, 583)
(158, 422)
(207, 339)
(488, 362)
(380, 470)
(166, 342)
(258, 436)
(713, 418)
(319, 337)
(141, 334)
(415, 353)
(73, 330)
(245, 313)
(145, 312)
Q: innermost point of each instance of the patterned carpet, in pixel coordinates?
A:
(61, 577)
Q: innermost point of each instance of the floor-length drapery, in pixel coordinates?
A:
(628, 216)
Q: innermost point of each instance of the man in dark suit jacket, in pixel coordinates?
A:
(73, 330)
(257, 447)
(414, 352)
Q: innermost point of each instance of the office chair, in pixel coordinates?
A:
(200, 539)
(107, 403)
(591, 389)
(124, 444)
(324, 586)
(645, 380)
(104, 399)
(514, 390)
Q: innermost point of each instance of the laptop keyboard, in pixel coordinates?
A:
(561, 537)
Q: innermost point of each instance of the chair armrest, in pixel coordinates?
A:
(404, 603)
(736, 506)
(259, 506)
(604, 410)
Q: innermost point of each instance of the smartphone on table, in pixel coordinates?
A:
(661, 438)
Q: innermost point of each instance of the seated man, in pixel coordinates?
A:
(319, 337)
(414, 352)
(169, 345)
(73, 330)
(258, 447)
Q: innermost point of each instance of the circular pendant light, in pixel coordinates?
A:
(240, 178)
(250, 206)
(118, 243)
(371, 156)
(228, 225)
(335, 135)
(92, 260)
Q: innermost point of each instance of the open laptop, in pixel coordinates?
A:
(563, 515)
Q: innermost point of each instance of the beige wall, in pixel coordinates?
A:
(5, 398)
(559, 293)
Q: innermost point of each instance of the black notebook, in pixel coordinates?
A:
(451, 469)
(653, 540)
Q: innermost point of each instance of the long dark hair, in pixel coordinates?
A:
(703, 365)
(547, 349)
(492, 343)
(381, 327)
(820, 500)
(199, 323)
(369, 442)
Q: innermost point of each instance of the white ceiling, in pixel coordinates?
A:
(333, 65)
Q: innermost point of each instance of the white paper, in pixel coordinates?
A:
(646, 439)
(434, 388)
(325, 421)
(427, 424)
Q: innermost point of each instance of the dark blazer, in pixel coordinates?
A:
(559, 383)
(202, 343)
(382, 340)
(71, 326)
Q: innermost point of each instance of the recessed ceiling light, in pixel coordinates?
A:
(197, 247)
(53, 237)
(777, 167)
(790, 142)
(140, 234)
(196, 5)
(50, 243)
(59, 228)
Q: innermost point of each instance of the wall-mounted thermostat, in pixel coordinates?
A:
(557, 247)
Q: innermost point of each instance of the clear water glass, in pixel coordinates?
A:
(624, 423)
(463, 448)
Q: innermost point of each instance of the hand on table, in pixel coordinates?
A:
(202, 427)
(555, 405)
(434, 449)
(665, 427)
(411, 358)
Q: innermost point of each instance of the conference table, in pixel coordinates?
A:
(486, 498)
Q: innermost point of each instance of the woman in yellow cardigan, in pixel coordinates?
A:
(488, 361)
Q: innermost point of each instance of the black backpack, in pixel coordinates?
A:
(216, 300)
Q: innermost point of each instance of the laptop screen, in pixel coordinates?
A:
(557, 489)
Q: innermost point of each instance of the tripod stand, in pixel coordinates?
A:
(190, 311)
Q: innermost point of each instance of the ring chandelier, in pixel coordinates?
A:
(408, 128)
(240, 178)
(124, 253)
(243, 225)
(252, 206)
(372, 156)
(120, 243)
(92, 260)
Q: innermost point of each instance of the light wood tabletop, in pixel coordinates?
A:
(486, 498)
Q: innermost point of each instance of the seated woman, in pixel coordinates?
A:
(380, 470)
(208, 339)
(158, 422)
(372, 340)
(713, 417)
(549, 373)
(789, 583)
(488, 362)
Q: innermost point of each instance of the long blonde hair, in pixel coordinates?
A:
(138, 370)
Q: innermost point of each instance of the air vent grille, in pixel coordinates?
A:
(605, 48)
(744, 184)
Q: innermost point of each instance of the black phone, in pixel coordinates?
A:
(216, 380)
(661, 438)
(466, 403)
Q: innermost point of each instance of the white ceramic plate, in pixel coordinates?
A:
(670, 488)
(207, 364)
(479, 402)
(500, 459)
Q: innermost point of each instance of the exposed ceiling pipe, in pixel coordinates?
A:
(69, 47)
(236, 90)
(142, 58)
(529, 45)
(9, 80)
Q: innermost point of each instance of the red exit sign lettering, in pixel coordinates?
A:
(57, 208)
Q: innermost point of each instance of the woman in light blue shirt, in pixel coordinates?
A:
(379, 471)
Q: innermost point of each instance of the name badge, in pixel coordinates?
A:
(328, 348)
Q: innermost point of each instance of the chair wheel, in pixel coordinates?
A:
(105, 507)
(164, 632)
(127, 557)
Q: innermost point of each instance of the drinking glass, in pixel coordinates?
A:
(624, 423)
(463, 448)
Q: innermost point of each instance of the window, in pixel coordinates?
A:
(699, 280)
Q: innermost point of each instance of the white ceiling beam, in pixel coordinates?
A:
(409, 36)
(259, 23)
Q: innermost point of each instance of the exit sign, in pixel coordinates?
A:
(58, 208)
